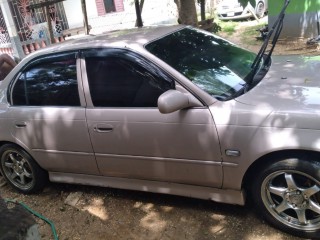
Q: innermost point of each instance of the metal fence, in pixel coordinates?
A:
(31, 23)
(5, 43)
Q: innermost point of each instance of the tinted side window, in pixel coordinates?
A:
(119, 82)
(49, 82)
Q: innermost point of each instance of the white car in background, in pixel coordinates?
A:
(232, 9)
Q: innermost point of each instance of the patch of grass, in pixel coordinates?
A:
(249, 34)
(228, 27)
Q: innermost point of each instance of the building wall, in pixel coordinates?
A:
(74, 11)
(300, 20)
(95, 8)
(154, 12)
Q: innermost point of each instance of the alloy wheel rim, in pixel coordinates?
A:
(293, 198)
(17, 169)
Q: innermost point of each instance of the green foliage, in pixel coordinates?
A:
(216, 28)
(250, 33)
(228, 27)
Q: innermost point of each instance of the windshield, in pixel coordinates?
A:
(212, 63)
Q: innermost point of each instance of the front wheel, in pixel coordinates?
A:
(287, 194)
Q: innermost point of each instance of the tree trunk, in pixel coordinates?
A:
(85, 17)
(187, 12)
(138, 13)
(203, 9)
(141, 7)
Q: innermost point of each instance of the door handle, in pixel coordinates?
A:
(103, 128)
(21, 124)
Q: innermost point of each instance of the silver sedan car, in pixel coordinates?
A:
(172, 110)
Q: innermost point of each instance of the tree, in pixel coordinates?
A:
(85, 17)
(138, 13)
(187, 12)
(203, 9)
(139, 17)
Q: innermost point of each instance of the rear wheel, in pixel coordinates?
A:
(260, 9)
(287, 194)
(20, 170)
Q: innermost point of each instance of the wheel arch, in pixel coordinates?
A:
(2, 143)
(273, 157)
(24, 174)
(8, 142)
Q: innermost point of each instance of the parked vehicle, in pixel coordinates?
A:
(232, 9)
(172, 110)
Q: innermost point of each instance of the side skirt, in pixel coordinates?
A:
(214, 194)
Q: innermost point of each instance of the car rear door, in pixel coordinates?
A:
(131, 138)
(47, 111)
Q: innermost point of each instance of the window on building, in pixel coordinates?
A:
(108, 6)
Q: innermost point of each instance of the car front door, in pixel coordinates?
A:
(131, 138)
(48, 117)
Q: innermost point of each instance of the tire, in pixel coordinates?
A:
(287, 194)
(260, 9)
(20, 170)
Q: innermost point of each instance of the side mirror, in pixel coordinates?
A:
(173, 100)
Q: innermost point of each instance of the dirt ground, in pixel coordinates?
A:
(104, 213)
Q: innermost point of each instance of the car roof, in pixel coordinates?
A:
(118, 38)
(134, 39)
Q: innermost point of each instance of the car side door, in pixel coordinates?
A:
(131, 138)
(47, 111)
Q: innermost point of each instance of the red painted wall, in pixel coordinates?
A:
(118, 5)
(100, 7)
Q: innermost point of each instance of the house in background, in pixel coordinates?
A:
(95, 8)
(300, 20)
(24, 24)
(106, 15)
